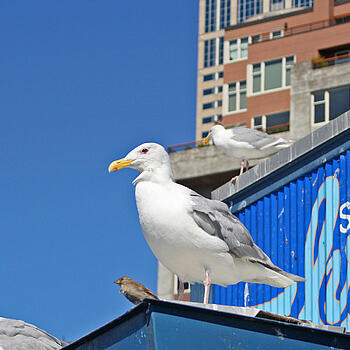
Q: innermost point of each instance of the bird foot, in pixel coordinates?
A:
(234, 179)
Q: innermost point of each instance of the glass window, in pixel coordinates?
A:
(208, 91)
(256, 77)
(277, 122)
(339, 101)
(243, 95)
(219, 88)
(219, 104)
(207, 120)
(208, 77)
(221, 50)
(233, 50)
(244, 48)
(276, 5)
(248, 8)
(205, 134)
(225, 13)
(208, 105)
(320, 115)
(273, 74)
(221, 75)
(319, 107)
(256, 38)
(210, 15)
(289, 63)
(276, 34)
(303, 3)
(232, 97)
(209, 52)
(258, 123)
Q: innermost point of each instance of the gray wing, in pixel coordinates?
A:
(16, 334)
(254, 137)
(215, 219)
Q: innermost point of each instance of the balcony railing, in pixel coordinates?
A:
(331, 61)
(304, 28)
(185, 146)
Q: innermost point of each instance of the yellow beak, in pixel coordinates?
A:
(119, 164)
(206, 140)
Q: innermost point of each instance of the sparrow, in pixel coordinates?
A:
(134, 291)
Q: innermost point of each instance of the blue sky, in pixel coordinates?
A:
(82, 83)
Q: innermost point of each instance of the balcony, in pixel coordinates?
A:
(303, 28)
(330, 61)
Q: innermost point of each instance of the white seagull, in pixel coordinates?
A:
(245, 143)
(196, 238)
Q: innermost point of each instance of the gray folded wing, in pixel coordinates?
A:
(255, 138)
(215, 218)
(19, 335)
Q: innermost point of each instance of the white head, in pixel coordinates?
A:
(148, 157)
(215, 130)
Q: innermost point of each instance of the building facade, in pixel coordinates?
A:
(247, 50)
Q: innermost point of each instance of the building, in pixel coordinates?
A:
(247, 51)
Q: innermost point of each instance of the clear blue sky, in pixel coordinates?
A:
(82, 83)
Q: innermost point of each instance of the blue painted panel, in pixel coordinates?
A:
(304, 227)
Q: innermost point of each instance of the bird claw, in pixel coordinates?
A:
(234, 179)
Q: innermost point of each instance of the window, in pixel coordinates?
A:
(319, 103)
(205, 134)
(208, 77)
(289, 64)
(213, 104)
(211, 119)
(330, 104)
(209, 52)
(187, 285)
(256, 38)
(237, 96)
(270, 75)
(248, 8)
(276, 5)
(239, 49)
(207, 120)
(208, 105)
(273, 74)
(256, 77)
(208, 91)
(221, 75)
(219, 89)
(225, 13)
(303, 3)
(213, 52)
(210, 15)
(272, 123)
(221, 50)
(276, 34)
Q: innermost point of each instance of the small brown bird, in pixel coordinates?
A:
(134, 291)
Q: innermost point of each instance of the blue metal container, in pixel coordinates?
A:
(300, 216)
(160, 325)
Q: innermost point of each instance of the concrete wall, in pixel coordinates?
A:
(305, 80)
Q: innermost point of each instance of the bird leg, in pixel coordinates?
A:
(181, 291)
(244, 162)
(207, 283)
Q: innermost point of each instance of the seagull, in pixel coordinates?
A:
(19, 335)
(134, 291)
(242, 142)
(196, 238)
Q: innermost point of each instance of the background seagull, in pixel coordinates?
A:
(134, 291)
(245, 143)
(196, 238)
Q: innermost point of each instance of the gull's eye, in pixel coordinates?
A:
(145, 150)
